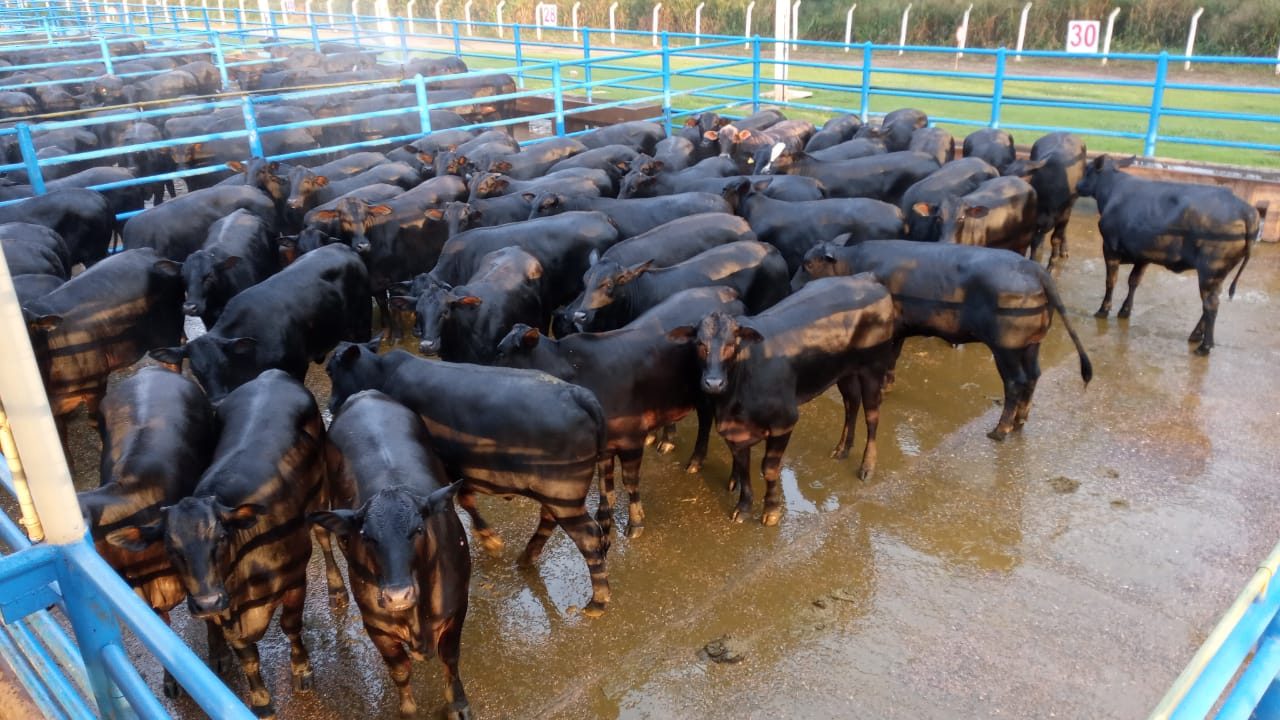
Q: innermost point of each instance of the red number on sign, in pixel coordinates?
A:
(1077, 36)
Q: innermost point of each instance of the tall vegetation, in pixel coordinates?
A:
(1228, 27)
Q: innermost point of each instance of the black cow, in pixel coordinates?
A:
(849, 150)
(642, 381)
(963, 294)
(239, 253)
(959, 177)
(898, 126)
(754, 269)
(794, 228)
(406, 550)
(635, 216)
(1000, 213)
(34, 250)
(743, 145)
(308, 188)
(504, 432)
(1181, 226)
(240, 541)
(879, 177)
(147, 163)
(179, 227)
(533, 160)
(158, 435)
(102, 320)
(641, 135)
(1055, 168)
(993, 145)
(934, 141)
(571, 181)
(759, 370)
(487, 212)
(282, 322)
(835, 131)
(614, 160)
(32, 287)
(82, 218)
(676, 153)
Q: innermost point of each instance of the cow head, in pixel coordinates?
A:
(387, 535)
(776, 159)
(353, 219)
(220, 364)
(434, 309)
(262, 174)
(303, 186)
(726, 138)
(606, 284)
(459, 216)
(198, 534)
(516, 349)
(637, 184)
(819, 262)
(952, 217)
(1025, 169)
(1099, 172)
(204, 275)
(354, 367)
(548, 204)
(487, 185)
(720, 340)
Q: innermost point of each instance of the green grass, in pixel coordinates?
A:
(843, 94)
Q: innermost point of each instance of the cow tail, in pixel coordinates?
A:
(591, 405)
(1248, 246)
(1051, 290)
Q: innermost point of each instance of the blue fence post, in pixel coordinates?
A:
(515, 34)
(28, 149)
(997, 89)
(251, 125)
(128, 19)
(355, 29)
(146, 17)
(173, 17)
(208, 26)
(275, 26)
(1157, 101)
(557, 92)
(221, 59)
(404, 40)
(865, 110)
(315, 37)
(424, 110)
(666, 82)
(755, 74)
(457, 39)
(91, 620)
(106, 55)
(586, 56)
(235, 12)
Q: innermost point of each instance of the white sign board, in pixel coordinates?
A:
(549, 15)
(1082, 36)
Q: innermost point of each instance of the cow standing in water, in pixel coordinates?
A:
(1182, 226)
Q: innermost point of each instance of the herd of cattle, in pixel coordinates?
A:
(582, 294)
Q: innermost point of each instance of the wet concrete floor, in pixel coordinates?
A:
(1070, 571)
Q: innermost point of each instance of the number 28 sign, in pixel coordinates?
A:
(1082, 36)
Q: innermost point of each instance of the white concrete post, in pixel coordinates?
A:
(1022, 32)
(848, 26)
(613, 25)
(656, 9)
(328, 7)
(962, 35)
(186, 16)
(243, 17)
(795, 21)
(697, 24)
(781, 50)
(408, 12)
(306, 8)
(439, 24)
(501, 29)
(1106, 41)
(466, 13)
(537, 18)
(1191, 37)
(746, 33)
(355, 9)
(902, 36)
(574, 13)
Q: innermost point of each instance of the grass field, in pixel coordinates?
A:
(899, 82)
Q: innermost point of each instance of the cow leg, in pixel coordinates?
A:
(546, 526)
(630, 461)
(585, 533)
(1135, 277)
(706, 414)
(872, 386)
(1113, 270)
(220, 656)
(173, 190)
(1037, 240)
(489, 539)
(1010, 366)
(1210, 290)
(337, 590)
(259, 696)
(291, 624)
(399, 665)
(740, 478)
(771, 468)
(891, 375)
(667, 439)
(448, 640)
(604, 509)
(172, 689)
(851, 394)
(1058, 243)
(1031, 368)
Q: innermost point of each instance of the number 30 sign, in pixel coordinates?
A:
(1082, 36)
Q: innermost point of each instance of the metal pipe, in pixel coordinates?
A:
(746, 31)
(135, 689)
(902, 37)
(439, 25)
(848, 26)
(408, 12)
(501, 30)
(997, 89)
(574, 12)
(424, 108)
(30, 521)
(1106, 41)
(1191, 38)
(613, 29)
(656, 9)
(697, 23)
(865, 108)
(52, 674)
(781, 31)
(466, 12)
(537, 18)
(795, 22)
(557, 92)
(962, 35)
(1157, 102)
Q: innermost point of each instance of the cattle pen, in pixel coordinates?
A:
(562, 84)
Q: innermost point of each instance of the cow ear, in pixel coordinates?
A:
(711, 135)
(379, 210)
(168, 268)
(198, 147)
(924, 209)
(136, 538)
(349, 355)
(273, 167)
(634, 272)
(593, 257)
(241, 345)
(402, 302)
(742, 135)
(683, 334)
(530, 338)
(339, 522)
(233, 164)
(527, 196)
(243, 517)
(690, 122)
(1127, 161)
(322, 181)
(169, 355)
(440, 500)
(427, 158)
(229, 263)
(500, 166)
(373, 345)
(325, 215)
(977, 211)
(748, 334)
(44, 323)
(434, 215)
(1034, 165)
(468, 300)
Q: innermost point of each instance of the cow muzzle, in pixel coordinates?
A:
(429, 347)
(713, 385)
(192, 309)
(397, 598)
(580, 317)
(205, 606)
(362, 246)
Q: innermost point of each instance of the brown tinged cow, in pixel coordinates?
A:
(795, 227)
(407, 556)
(878, 177)
(158, 434)
(761, 369)
(1181, 226)
(962, 294)
(239, 253)
(503, 432)
(642, 381)
(959, 177)
(1000, 213)
(81, 217)
(240, 541)
(992, 145)
(1055, 168)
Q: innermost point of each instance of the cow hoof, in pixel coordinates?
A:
(302, 682)
(1123, 314)
(492, 544)
(771, 517)
(739, 515)
(1195, 336)
(665, 447)
(1102, 314)
(338, 600)
(997, 435)
(635, 530)
(1203, 350)
(265, 712)
(840, 453)
(693, 467)
(865, 472)
(172, 689)
(594, 609)
(462, 713)
(650, 439)
(529, 558)
(409, 709)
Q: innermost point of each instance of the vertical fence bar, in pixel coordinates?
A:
(28, 149)
(251, 125)
(997, 87)
(515, 34)
(586, 56)
(865, 108)
(557, 92)
(90, 619)
(424, 110)
(208, 27)
(404, 40)
(221, 59)
(457, 39)
(666, 80)
(1157, 101)
(755, 74)
(106, 55)
(315, 35)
